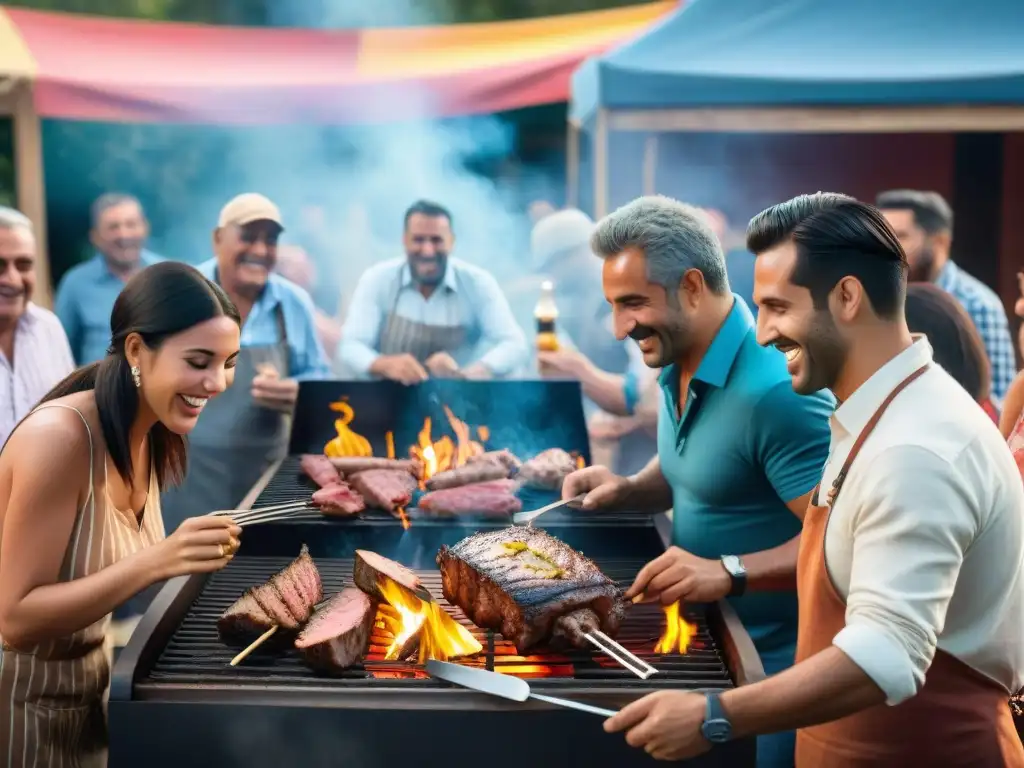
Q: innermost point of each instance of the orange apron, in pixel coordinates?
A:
(959, 718)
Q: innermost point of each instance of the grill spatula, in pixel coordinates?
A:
(505, 686)
(525, 518)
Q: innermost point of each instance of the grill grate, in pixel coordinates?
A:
(196, 656)
(290, 484)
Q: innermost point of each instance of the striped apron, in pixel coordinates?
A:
(402, 336)
(53, 695)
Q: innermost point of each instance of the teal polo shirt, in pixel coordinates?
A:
(746, 444)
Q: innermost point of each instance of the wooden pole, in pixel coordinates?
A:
(650, 164)
(572, 165)
(601, 164)
(29, 183)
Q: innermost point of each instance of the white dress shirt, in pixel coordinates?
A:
(42, 357)
(926, 540)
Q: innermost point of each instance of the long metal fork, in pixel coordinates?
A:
(627, 659)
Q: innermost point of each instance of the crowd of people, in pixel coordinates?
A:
(825, 412)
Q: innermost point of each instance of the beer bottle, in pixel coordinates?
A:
(546, 313)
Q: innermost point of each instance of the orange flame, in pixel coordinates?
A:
(678, 632)
(347, 443)
(404, 518)
(406, 616)
(580, 463)
(444, 453)
(389, 440)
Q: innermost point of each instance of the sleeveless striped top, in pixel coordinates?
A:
(53, 695)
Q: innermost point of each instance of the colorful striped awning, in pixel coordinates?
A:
(94, 68)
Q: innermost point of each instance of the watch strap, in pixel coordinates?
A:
(716, 727)
(738, 579)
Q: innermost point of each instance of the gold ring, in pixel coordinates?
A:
(222, 551)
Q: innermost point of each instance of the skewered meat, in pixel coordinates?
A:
(370, 568)
(528, 585)
(339, 633)
(477, 472)
(286, 600)
(494, 498)
(338, 498)
(547, 470)
(319, 469)
(384, 488)
(349, 465)
(504, 457)
(243, 621)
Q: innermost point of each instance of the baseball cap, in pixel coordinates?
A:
(247, 208)
(559, 232)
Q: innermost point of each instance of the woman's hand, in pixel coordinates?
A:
(200, 545)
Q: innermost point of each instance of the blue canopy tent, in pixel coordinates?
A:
(792, 66)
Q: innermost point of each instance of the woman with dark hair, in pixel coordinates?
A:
(956, 343)
(80, 524)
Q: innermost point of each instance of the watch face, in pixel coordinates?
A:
(716, 731)
(734, 565)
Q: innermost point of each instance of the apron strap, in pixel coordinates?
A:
(837, 484)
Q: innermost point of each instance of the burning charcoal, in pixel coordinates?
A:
(338, 498)
(319, 469)
(339, 633)
(491, 499)
(547, 470)
(519, 581)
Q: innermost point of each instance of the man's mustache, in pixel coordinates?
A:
(641, 332)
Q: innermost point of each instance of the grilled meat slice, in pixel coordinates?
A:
(504, 457)
(244, 621)
(467, 474)
(385, 488)
(339, 633)
(308, 577)
(370, 568)
(319, 469)
(521, 581)
(547, 470)
(571, 630)
(494, 498)
(339, 499)
(273, 604)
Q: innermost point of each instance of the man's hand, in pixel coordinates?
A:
(441, 365)
(271, 391)
(677, 575)
(404, 368)
(567, 363)
(477, 372)
(603, 487)
(666, 725)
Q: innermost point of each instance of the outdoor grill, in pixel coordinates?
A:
(175, 700)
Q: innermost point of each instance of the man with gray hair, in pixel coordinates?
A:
(34, 352)
(87, 292)
(739, 453)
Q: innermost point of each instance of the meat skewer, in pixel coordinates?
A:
(349, 465)
(467, 474)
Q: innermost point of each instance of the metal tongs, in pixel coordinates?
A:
(527, 518)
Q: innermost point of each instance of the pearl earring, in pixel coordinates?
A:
(135, 376)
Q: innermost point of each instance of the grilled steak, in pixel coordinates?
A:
(467, 474)
(244, 621)
(349, 465)
(339, 498)
(370, 568)
(339, 633)
(319, 469)
(384, 488)
(286, 600)
(547, 469)
(493, 498)
(521, 581)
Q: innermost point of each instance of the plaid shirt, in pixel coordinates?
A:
(989, 316)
